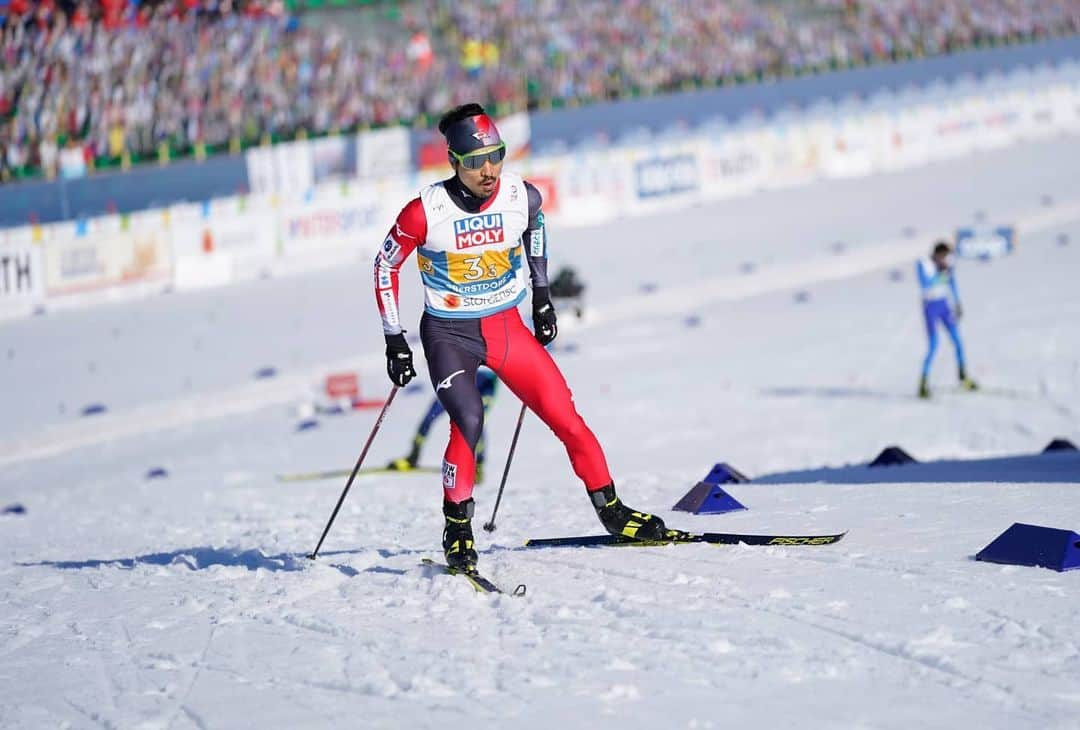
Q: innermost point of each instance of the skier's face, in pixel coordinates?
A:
(941, 260)
(480, 180)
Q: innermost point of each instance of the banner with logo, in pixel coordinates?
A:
(109, 253)
(577, 191)
(287, 169)
(22, 278)
(732, 164)
(331, 159)
(383, 153)
(985, 242)
(223, 240)
(848, 151)
(658, 182)
(955, 130)
(908, 139)
(337, 222)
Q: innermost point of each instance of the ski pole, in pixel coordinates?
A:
(348, 484)
(490, 524)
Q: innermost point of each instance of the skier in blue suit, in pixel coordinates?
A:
(941, 303)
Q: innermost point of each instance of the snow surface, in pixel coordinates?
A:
(738, 332)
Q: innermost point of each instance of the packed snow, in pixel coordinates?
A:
(779, 333)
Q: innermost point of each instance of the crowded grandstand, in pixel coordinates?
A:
(87, 85)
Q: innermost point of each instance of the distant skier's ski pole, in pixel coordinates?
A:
(348, 484)
(490, 524)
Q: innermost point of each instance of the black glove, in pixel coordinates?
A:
(399, 360)
(958, 311)
(544, 324)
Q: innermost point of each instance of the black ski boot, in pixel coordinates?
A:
(618, 519)
(407, 463)
(966, 383)
(924, 388)
(457, 538)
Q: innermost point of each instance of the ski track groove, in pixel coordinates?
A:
(898, 653)
(194, 717)
(934, 664)
(199, 663)
(91, 716)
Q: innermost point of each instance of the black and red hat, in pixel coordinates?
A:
(472, 133)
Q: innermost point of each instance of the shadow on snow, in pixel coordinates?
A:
(1062, 467)
(201, 558)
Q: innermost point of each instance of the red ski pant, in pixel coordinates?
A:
(455, 348)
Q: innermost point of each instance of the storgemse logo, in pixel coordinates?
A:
(479, 230)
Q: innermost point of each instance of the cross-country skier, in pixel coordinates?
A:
(472, 233)
(941, 303)
(487, 384)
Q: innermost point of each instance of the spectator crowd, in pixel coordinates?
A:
(98, 82)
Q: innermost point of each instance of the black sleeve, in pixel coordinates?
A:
(535, 238)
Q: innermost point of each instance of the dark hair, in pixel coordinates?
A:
(942, 247)
(458, 113)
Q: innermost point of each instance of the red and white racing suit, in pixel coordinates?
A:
(470, 253)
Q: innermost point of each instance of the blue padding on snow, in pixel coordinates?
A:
(1059, 445)
(267, 372)
(707, 499)
(724, 473)
(14, 509)
(307, 424)
(94, 409)
(1045, 547)
(893, 456)
(157, 473)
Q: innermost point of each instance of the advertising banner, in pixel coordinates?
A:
(548, 188)
(330, 159)
(222, 241)
(586, 191)
(660, 182)
(22, 278)
(910, 139)
(383, 153)
(1001, 118)
(849, 152)
(985, 242)
(955, 131)
(109, 253)
(793, 154)
(665, 177)
(334, 224)
(287, 169)
(1065, 100)
(732, 164)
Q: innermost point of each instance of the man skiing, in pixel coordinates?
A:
(487, 384)
(471, 233)
(941, 303)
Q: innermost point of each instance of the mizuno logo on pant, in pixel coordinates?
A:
(445, 382)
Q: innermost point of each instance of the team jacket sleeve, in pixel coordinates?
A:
(536, 238)
(953, 289)
(408, 232)
(926, 279)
